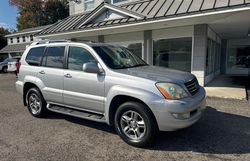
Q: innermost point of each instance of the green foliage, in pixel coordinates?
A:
(3, 40)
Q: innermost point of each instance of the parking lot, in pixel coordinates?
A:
(222, 134)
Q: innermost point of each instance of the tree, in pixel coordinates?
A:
(35, 13)
(3, 40)
(55, 10)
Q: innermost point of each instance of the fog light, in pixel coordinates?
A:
(181, 116)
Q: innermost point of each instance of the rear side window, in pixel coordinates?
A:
(34, 56)
(54, 57)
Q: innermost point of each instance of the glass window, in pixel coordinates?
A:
(212, 56)
(218, 57)
(31, 38)
(173, 53)
(239, 56)
(89, 4)
(77, 57)
(18, 39)
(54, 57)
(34, 56)
(116, 57)
(23, 38)
(11, 40)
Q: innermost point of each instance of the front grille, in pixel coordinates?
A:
(192, 86)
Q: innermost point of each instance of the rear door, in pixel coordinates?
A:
(81, 89)
(51, 74)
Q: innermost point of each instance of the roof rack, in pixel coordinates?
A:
(83, 40)
(48, 42)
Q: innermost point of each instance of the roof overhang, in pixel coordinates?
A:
(22, 33)
(14, 48)
(201, 18)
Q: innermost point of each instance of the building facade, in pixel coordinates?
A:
(18, 41)
(204, 37)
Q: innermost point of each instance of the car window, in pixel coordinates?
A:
(77, 57)
(34, 56)
(54, 57)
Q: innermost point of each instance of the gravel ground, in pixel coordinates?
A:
(223, 133)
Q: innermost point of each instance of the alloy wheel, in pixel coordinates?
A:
(34, 103)
(133, 125)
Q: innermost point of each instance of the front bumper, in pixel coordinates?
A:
(165, 111)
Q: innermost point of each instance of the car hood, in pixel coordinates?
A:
(158, 74)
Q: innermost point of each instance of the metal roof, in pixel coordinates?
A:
(150, 9)
(14, 48)
(28, 30)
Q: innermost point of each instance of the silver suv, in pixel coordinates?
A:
(107, 83)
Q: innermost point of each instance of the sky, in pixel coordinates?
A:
(8, 15)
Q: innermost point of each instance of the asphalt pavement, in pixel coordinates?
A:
(223, 133)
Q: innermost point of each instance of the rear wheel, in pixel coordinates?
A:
(135, 124)
(36, 103)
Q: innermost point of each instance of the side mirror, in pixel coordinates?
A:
(91, 68)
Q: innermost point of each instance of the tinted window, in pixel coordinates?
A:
(34, 56)
(77, 57)
(54, 57)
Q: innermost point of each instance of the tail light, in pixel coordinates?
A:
(18, 65)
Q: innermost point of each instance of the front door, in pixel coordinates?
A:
(81, 89)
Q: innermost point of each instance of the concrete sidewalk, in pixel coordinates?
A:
(227, 87)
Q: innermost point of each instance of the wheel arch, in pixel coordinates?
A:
(26, 87)
(119, 100)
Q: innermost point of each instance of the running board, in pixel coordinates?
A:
(77, 113)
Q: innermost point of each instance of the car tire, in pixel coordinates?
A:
(5, 69)
(36, 103)
(135, 124)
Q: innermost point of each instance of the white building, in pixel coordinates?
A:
(18, 41)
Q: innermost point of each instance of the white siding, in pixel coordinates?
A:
(176, 32)
(78, 8)
(132, 36)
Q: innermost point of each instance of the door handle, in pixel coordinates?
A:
(68, 75)
(42, 72)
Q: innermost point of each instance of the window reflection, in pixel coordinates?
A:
(77, 57)
(239, 56)
(54, 57)
(173, 53)
(134, 47)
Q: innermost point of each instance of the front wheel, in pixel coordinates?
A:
(135, 124)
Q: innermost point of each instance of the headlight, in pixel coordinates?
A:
(171, 91)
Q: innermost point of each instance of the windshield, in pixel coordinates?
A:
(116, 57)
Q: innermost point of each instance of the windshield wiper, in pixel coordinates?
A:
(138, 65)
